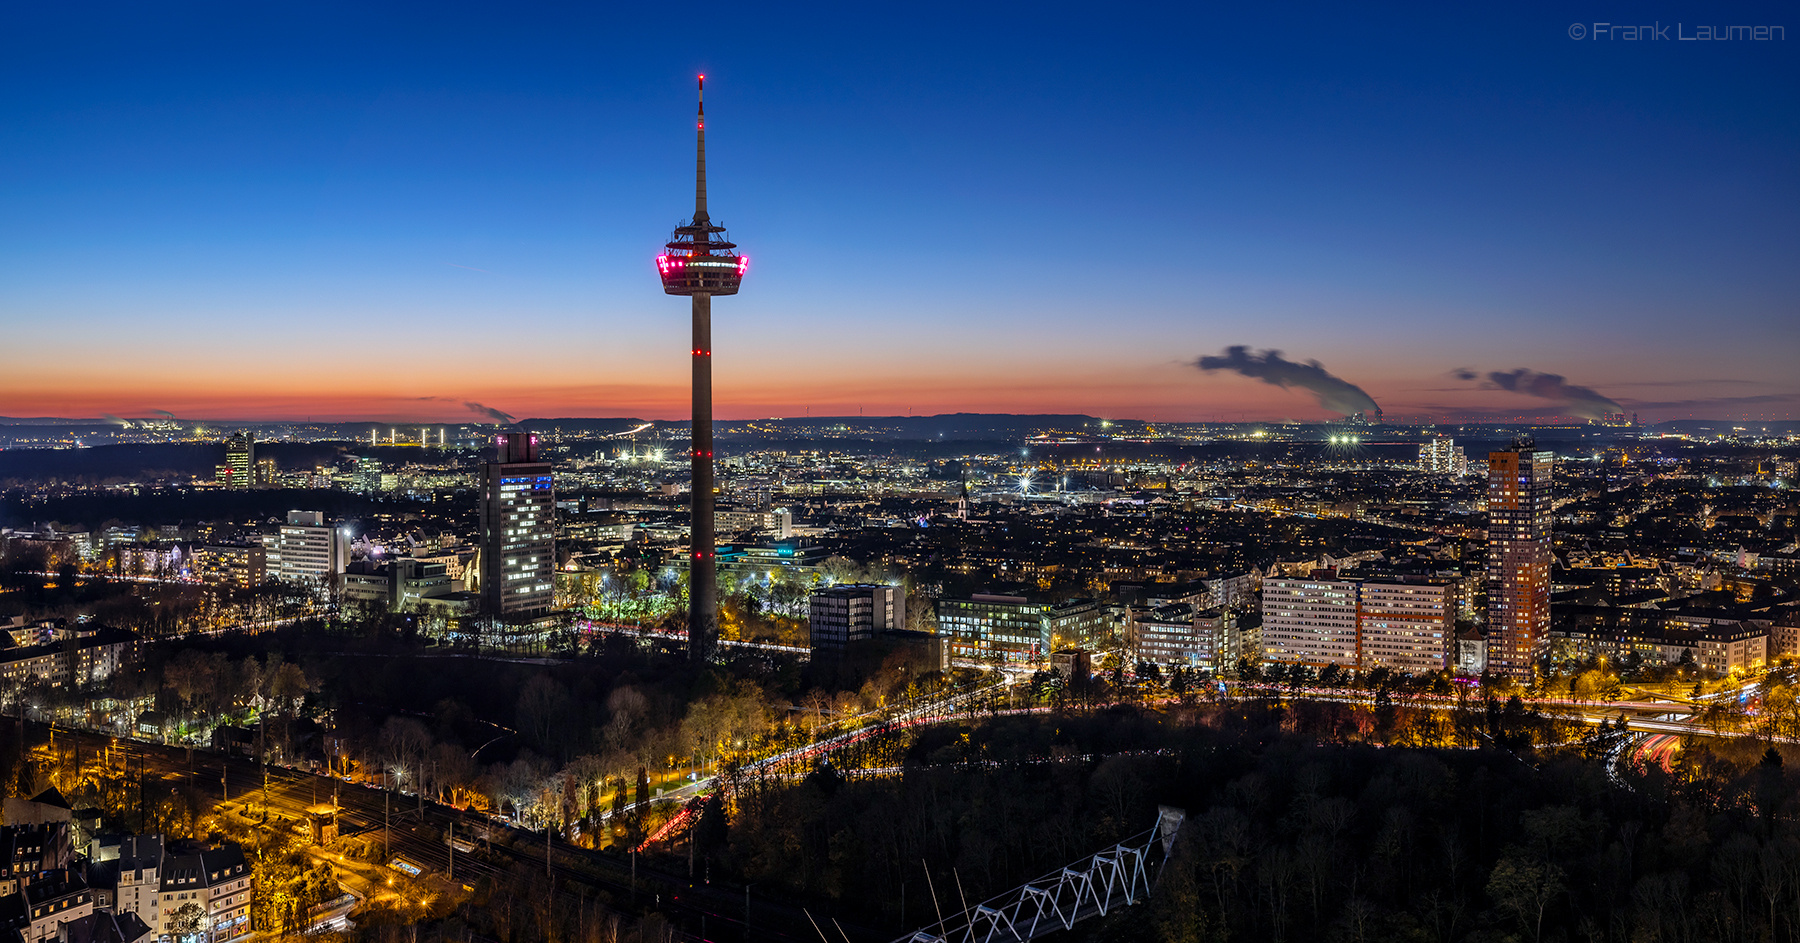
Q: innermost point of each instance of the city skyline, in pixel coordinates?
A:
(246, 217)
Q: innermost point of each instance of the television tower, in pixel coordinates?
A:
(699, 263)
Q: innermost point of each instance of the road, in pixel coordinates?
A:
(418, 836)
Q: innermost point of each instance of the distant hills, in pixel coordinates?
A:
(960, 426)
(979, 426)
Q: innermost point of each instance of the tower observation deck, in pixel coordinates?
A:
(700, 262)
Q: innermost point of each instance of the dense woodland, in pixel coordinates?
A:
(1291, 836)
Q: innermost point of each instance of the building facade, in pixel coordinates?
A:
(1009, 629)
(83, 658)
(308, 550)
(1438, 456)
(1518, 558)
(1082, 623)
(1310, 621)
(1715, 642)
(1406, 626)
(240, 460)
(205, 890)
(857, 612)
(38, 911)
(243, 565)
(1183, 636)
(518, 529)
(1399, 623)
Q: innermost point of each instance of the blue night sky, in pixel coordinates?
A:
(264, 210)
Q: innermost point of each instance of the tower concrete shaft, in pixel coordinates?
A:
(703, 582)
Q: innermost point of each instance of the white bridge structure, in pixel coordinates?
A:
(1120, 876)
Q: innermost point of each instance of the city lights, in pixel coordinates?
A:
(983, 576)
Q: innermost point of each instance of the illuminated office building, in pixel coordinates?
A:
(518, 529)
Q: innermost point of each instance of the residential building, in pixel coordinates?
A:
(236, 564)
(1310, 621)
(37, 911)
(1437, 455)
(103, 927)
(1242, 638)
(1180, 635)
(1720, 642)
(778, 523)
(204, 889)
(80, 659)
(1085, 623)
(1518, 558)
(28, 850)
(129, 879)
(1234, 591)
(1405, 625)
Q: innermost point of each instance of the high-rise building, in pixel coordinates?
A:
(518, 529)
(240, 460)
(1310, 621)
(1518, 558)
(1405, 625)
(1437, 455)
(855, 612)
(368, 474)
(700, 263)
(308, 550)
(1401, 623)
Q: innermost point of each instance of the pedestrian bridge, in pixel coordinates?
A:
(1119, 876)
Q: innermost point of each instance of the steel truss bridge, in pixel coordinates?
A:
(1120, 876)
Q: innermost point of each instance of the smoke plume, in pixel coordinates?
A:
(1333, 393)
(109, 417)
(505, 419)
(1573, 400)
(163, 412)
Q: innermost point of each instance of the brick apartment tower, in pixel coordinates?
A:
(1518, 562)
